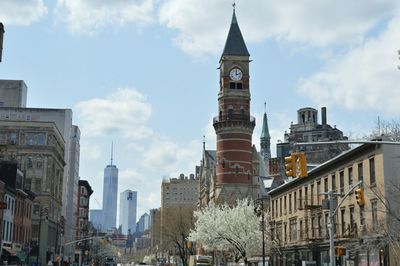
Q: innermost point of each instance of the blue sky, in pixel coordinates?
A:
(143, 73)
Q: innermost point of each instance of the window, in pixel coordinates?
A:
(13, 138)
(31, 139)
(333, 179)
(300, 199)
(235, 85)
(293, 229)
(360, 172)
(326, 186)
(312, 194)
(350, 173)
(319, 225)
(280, 206)
(306, 196)
(372, 178)
(41, 139)
(352, 222)
(318, 191)
(341, 177)
(230, 113)
(313, 226)
(343, 220)
(374, 211)
(284, 205)
(279, 231)
(290, 203)
(29, 162)
(362, 218)
(295, 200)
(301, 229)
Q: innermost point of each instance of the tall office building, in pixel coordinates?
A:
(110, 188)
(127, 211)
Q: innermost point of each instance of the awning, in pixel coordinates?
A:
(10, 251)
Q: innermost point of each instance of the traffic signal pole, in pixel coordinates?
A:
(331, 194)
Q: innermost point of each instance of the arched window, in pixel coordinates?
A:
(230, 112)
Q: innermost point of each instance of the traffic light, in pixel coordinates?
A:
(360, 197)
(290, 165)
(340, 251)
(302, 164)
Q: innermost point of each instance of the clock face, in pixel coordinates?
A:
(236, 74)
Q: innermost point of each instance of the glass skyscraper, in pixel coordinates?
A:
(127, 211)
(110, 194)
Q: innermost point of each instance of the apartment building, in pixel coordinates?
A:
(369, 233)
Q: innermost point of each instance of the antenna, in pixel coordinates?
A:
(234, 5)
(112, 146)
(265, 107)
(204, 142)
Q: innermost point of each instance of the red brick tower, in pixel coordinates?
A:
(234, 125)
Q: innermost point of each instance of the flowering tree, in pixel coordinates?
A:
(229, 228)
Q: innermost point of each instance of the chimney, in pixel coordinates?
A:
(323, 114)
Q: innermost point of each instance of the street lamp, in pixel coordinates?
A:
(260, 202)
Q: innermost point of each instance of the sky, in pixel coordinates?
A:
(143, 73)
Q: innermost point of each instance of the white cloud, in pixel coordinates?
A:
(365, 78)
(22, 12)
(173, 158)
(203, 25)
(89, 16)
(90, 150)
(124, 112)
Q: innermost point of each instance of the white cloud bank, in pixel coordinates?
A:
(364, 78)
(202, 25)
(89, 16)
(125, 112)
(21, 12)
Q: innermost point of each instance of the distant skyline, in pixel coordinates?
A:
(144, 73)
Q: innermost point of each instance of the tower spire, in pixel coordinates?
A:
(235, 44)
(112, 148)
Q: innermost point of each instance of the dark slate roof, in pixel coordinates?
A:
(235, 44)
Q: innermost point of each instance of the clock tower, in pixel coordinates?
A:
(234, 125)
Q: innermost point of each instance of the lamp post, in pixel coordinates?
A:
(260, 202)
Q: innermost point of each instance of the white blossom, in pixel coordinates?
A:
(229, 228)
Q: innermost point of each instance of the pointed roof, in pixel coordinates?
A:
(235, 44)
(265, 130)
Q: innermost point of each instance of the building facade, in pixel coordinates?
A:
(82, 223)
(127, 211)
(12, 93)
(309, 130)
(63, 121)
(38, 150)
(369, 232)
(143, 224)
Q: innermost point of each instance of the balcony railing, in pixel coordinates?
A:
(234, 120)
